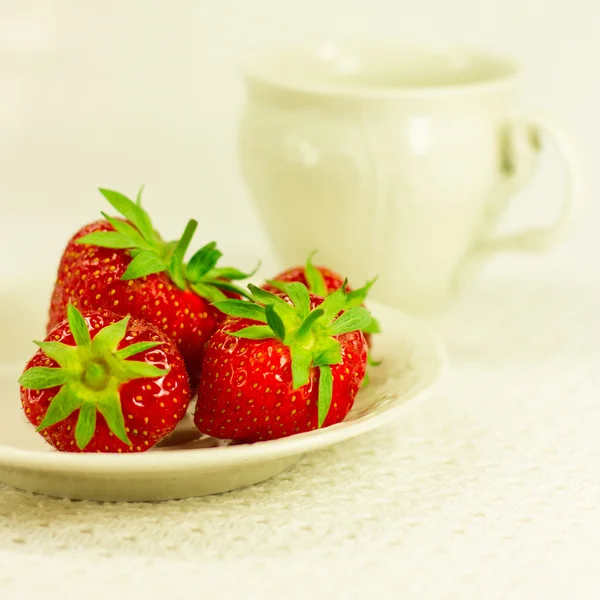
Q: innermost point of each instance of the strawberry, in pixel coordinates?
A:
(125, 266)
(83, 392)
(288, 365)
(321, 282)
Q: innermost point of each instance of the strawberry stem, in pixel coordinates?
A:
(96, 376)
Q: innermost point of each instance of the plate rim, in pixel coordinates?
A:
(301, 443)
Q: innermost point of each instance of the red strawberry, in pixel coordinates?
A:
(321, 282)
(282, 368)
(83, 392)
(126, 267)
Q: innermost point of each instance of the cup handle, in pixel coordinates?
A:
(525, 139)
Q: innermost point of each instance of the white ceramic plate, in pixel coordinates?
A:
(191, 465)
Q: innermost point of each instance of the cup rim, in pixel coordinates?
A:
(255, 71)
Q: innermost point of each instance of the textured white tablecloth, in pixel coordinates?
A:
(490, 490)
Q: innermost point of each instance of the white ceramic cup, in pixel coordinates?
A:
(392, 161)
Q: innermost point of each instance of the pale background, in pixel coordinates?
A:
(490, 491)
(117, 93)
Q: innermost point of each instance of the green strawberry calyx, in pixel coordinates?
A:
(314, 278)
(151, 254)
(318, 287)
(309, 334)
(89, 376)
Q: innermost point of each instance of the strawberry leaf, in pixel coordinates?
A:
(299, 295)
(78, 326)
(358, 297)
(202, 270)
(334, 303)
(231, 273)
(301, 364)
(263, 297)
(278, 285)
(133, 369)
(107, 340)
(86, 425)
(63, 354)
(227, 286)
(131, 211)
(138, 199)
(176, 268)
(245, 310)
(129, 232)
(43, 378)
(107, 239)
(203, 261)
(210, 292)
(112, 412)
(254, 332)
(62, 405)
(372, 327)
(325, 392)
(136, 349)
(314, 278)
(371, 361)
(286, 311)
(145, 263)
(353, 319)
(274, 321)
